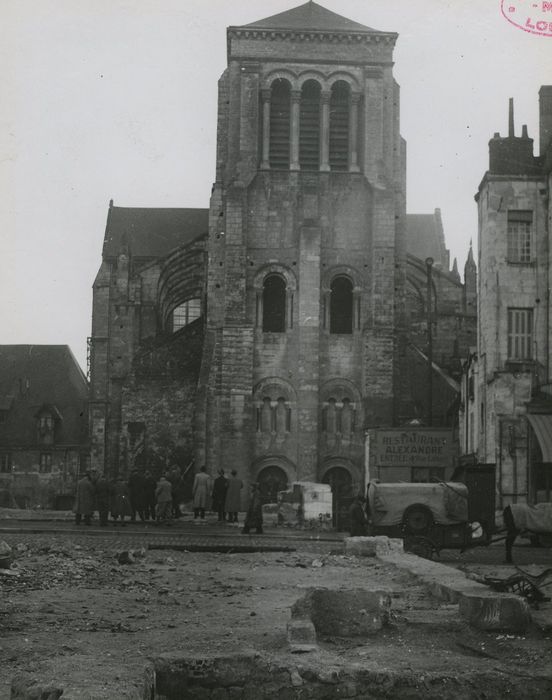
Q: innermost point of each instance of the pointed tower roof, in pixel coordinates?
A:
(454, 271)
(470, 262)
(310, 16)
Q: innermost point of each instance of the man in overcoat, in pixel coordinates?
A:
(357, 514)
(163, 496)
(101, 486)
(120, 501)
(233, 497)
(84, 500)
(201, 490)
(220, 487)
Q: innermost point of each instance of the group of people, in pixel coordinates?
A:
(142, 496)
(224, 493)
(225, 496)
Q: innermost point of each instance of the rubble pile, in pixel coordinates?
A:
(46, 566)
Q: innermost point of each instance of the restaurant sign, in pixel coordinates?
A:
(422, 447)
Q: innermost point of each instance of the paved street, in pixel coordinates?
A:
(189, 533)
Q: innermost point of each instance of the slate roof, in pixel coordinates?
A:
(425, 237)
(310, 16)
(36, 376)
(150, 232)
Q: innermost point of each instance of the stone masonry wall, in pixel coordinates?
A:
(166, 408)
(308, 227)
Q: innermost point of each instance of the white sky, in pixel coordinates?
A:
(117, 99)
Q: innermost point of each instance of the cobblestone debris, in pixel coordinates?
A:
(29, 688)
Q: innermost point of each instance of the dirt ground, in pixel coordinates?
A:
(73, 614)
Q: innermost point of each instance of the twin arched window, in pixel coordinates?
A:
(322, 140)
(338, 417)
(274, 416)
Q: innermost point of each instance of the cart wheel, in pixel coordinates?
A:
(421, 547)
(417, 519)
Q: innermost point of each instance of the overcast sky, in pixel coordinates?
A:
(117, 99)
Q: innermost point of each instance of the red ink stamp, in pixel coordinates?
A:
(533, 16)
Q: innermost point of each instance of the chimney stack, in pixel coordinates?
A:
(545, 118)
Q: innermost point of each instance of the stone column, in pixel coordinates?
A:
(326, 296)
(357, 293)
(259, 308)
(307, 371)
(294, 136)
(289, 308)
(353, 133)
(265, 161)
(325, 131)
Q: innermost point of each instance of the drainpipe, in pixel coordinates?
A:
(429, 268)
(513, 455)
(499, 460)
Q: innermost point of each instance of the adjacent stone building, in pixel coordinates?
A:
(269, 332)
(506, 410)
(43, 425)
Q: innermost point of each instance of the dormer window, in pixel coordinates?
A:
(46, 421)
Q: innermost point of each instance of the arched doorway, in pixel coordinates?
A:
(271, 479)
(341, 483)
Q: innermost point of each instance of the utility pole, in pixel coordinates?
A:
(429, 270)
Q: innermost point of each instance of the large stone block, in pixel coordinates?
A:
(301, 636)
(354, 613)
(495, 611)
(373, 546)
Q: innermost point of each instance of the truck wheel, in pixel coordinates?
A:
(417, 519)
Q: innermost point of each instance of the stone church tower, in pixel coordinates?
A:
(268, 332)
(306, 252)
